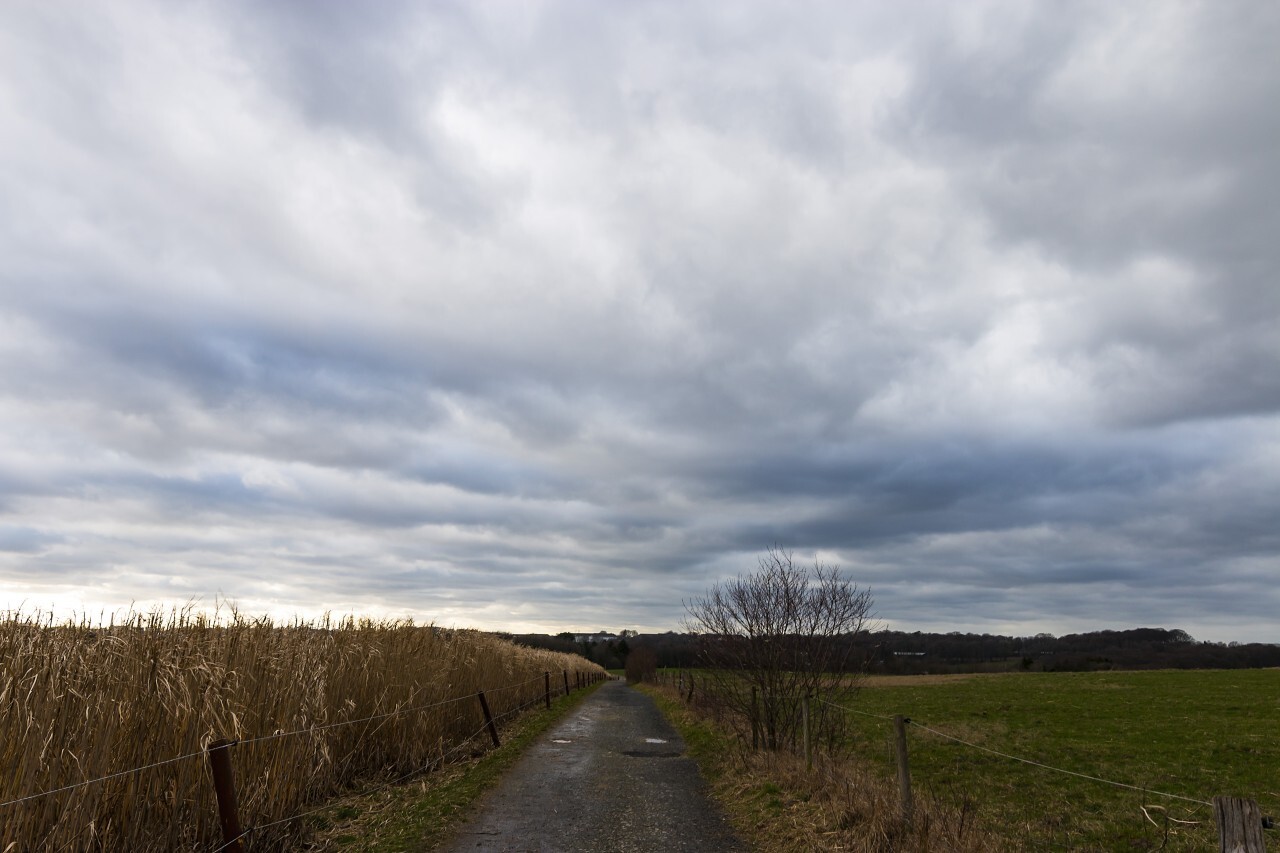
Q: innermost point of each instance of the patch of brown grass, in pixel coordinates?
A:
(780, 805)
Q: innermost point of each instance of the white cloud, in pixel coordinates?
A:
(508, 318)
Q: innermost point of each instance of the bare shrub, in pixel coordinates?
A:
(642, 665)
(778, 635)
(780, 803)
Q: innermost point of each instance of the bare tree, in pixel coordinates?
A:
(775, 636)
(642, 664)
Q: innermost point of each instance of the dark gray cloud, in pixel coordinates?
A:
(550, 317)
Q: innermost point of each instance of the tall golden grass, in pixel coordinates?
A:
(79, 702)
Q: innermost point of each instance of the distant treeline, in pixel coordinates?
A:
(900, 652)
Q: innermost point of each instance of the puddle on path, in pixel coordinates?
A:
(560, 740)
(654, 740)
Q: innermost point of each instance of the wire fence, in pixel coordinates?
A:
(444, 759)
(551, 687)
(100, 779)
(996, 752)
(788, 722)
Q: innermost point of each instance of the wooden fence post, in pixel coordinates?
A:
(488, 719)
(689, 698)
(565, 673)
(755, 721)
(546, 677)
(224, 788)
(1239, 825)
(904, 769)
(804, 722)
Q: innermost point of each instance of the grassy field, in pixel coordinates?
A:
(1193, 733)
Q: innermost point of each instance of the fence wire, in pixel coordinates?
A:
(260, 739)
(1059, 769)
(1039, 764)
(440, 762)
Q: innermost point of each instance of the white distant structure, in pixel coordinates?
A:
(597, 637)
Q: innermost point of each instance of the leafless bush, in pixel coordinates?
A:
(778, 635)
(831, 805)
(642, 664)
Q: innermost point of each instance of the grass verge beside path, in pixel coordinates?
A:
(424, 813)
(778, 805)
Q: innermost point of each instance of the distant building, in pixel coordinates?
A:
(598, 637)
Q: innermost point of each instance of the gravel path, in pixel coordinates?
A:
(610, 777)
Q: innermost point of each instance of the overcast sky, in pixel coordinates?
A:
(547, 315)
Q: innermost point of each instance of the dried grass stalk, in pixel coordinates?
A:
(81, 701)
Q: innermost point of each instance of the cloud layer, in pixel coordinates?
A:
(549, 316)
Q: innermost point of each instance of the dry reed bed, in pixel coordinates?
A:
(78, 703)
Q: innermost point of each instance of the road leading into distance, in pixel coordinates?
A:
(611, 777)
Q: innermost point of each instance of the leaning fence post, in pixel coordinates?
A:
(904, 769)
(488, 719)
(689, 698)
(224, 788)
(546, 677)
(1239, 825)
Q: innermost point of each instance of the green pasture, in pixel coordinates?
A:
(1195, 733)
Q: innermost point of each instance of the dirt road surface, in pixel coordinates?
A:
(611, 777)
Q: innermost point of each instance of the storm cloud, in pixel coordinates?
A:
(548, 316)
